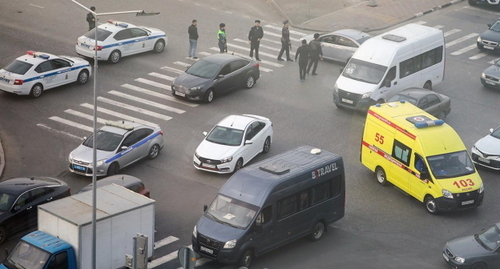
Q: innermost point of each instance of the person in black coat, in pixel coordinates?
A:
(303, 53)
(254, 36)
(316, 54)
(91, 19)
(286, 45)
(193, 39)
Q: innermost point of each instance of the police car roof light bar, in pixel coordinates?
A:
(124, 25)
(30, 52)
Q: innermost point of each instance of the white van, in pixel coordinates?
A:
(409, 56)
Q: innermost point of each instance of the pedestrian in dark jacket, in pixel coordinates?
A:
(303, 53)
(254, 36)
(91, 19)
(316, 54)
(286, 45)
(221, 35)
(193, 39)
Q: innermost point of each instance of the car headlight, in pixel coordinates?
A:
(230, 244)
(481, 189)
(98, 163)
(479, 39)
(172, 86)
(195, 88)
(70, 158)
(196, 155)
(447, 194)
(366, 95)
(483, 75)
(336, 88)
(226, 160)
(195, 232)
(459, 259)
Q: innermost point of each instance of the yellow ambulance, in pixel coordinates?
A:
(421, 155)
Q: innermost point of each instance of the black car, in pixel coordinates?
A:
(479, 251)
(490, 39)
(129, 182)
(214, 74)
(436, 104)
(491, 76)
(19, 198)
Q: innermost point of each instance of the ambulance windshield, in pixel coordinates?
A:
(451, 165)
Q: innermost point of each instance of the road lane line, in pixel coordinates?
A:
(450, 32)
(478, 56)
(169, 78)
(134, 108)
(152, 83)
(165, 241)
(262, 46)
(119, 115)
(277, 28)
(464, 50)
(147, 102)
(85, 116)
(279, 35)
(58, 131)
(244, 56)
(462, 39)
(182, 64)
(159, 95)
(171, 69)
(72, 124)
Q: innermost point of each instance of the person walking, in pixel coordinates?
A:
(91, 18)
(221, 35)
(303, 53)
(254, 36)
(286, 45)
(316, 54)
(193, 39)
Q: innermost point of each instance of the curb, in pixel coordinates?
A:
(2, 159)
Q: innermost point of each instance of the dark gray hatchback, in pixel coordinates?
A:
(213, 75)
(479, 251)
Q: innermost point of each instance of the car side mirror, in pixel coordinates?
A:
(491, 130)
(205, 133)
(15, 209)
(489, 25)
(248, 142)
(84, 138)
(205, 207)
(220, 76)
(123, 148)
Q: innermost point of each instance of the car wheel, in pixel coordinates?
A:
(479, 265)
(113, 169)
(246, 258)
(115, 56)
(249, 81)
(238, 165)
(3, 234)
(441, 115)
(381, 176)
(159, 46)
(472, 2)
(428, 85)
(317, 232)
(154, 151)
(267, 145)
(209, 96)
(430, 205)
(83, 77)
(36, 90)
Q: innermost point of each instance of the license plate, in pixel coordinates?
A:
(77, 167)
(489, 82)
(207, 250)
(85, 45)
(489, 47)
(469, 202)
(446, 257)
(208, 165)
(180, 94)
(347, 101)
(483, 160)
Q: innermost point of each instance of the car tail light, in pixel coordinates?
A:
(256, 64)
(161, 132)
(99, 48)
(18, 82)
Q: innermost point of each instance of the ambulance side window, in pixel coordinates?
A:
(401, 152)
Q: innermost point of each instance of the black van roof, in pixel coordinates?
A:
(253, 183)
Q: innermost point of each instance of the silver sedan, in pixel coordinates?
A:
(340, 45)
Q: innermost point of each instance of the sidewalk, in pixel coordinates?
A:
(331, 15)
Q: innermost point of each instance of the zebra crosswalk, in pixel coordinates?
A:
(170, 258)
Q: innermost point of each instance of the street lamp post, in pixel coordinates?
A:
(94, 149)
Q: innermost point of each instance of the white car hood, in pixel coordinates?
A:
(354, 86)
(489, 145)
(214, 151)
(84, 153)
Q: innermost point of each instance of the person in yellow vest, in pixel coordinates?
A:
(221, 35)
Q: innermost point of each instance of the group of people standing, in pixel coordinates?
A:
(308, 54)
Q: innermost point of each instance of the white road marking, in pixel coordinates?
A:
(438, 26)
(118, 115)
(280, 28)
(205, 53)
(33, 5)
(169, 78)
(72, 124)
(241, 55)
(478, 56)
(171, 69)
(279, 35)
(466, 49)
(262, 46)
(165, 241)
(462, 39)
(85, 116)
(420, 22)
(133, 108)
(182, 64)
(159, 95)
(450, 32)
(152, 83)
(147, 102)
(57, 131)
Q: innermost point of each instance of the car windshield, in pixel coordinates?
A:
(204, 69)
(489, 238)
(451, 165)
(26, 256)
(496, 26)
(231, 212)
(101, 34)
(105, 141)
(225, 136)
(496, 133)
(364, 71)
(403, 97)
(6, 201)
(18, 67)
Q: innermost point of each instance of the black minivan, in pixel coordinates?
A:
(271, 203)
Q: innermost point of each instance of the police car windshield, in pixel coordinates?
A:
(101, 34)
(105, 141)
(364, 71)
(204, 69)
(225, 136)
(451, 165)
(18, 67)
(232, 212)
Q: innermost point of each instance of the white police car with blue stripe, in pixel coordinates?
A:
(35, 72)
(118, 39)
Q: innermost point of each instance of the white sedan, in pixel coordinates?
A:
(119, 39)
(233, 142)
(35, 72)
